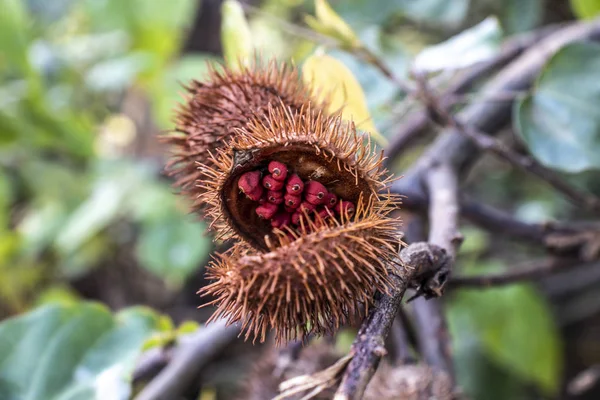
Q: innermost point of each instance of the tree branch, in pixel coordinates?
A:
(452, 147)
(526, 272)
(188, 360)
(368, 347)
(413, 126)
(487, 143)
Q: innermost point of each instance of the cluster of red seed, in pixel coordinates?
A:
(284, 199)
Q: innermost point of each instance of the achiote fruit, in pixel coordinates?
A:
(303, 194)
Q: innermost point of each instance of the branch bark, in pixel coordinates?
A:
(412, 127)
(188, 360)
(452, 147)
(528, 271)
(368, 347)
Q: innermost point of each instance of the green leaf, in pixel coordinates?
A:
(9, 130)
(516, 330)
(521, 16)
(468, 47)
(332, 80)
(559, 120)
(103, 206)
(72, 352)
(329, 23)
(585, 9)
(477, 375)
(174, 247)
(235, 34)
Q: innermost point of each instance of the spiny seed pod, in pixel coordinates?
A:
(316, 274)
(314, 282)
(214, 109)
(313, 146)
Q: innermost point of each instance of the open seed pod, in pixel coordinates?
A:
(313, 262)
(314, 148)
(213, 109)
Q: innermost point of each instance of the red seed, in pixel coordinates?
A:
(249, 181)
(266, 210)
(256, 194)
(294, 185)
(292, 201)
(281, 219)
(307, 206)
(315, 192)
(330, 200)
(263, 197)
(346, 206)
(275, 197)
(289, 209)
(278, 170)
(324, 213)
(271, 183)
(296, 217)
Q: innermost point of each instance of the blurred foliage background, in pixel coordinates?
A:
(86, 215)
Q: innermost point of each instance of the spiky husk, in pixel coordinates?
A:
(214, 109)
(317, 146)
(312, 282)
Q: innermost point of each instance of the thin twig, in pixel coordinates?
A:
(402, 348)
(368, 347)
(453, 147)
(442, 185)
(434, 339)
(488, 143)
(526, 272)
(412, 128)
(188, 361)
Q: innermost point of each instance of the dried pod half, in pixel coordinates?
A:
(214, 109)
(321, 270)
(310, 280)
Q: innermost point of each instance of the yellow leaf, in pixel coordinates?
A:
(329, 23)
(235, 34)
(332, 80)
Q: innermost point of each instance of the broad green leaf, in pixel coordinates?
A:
(235, 34)
(329, 23)
(516, 330)
(173, 248)
(471, 46)
(361, 13)
(559, 120)
(77, 351)
(478, 376)
(330, 79)
(9, 130)
(586, 9)
(449, 13)
(521, 15)
(93, 215)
